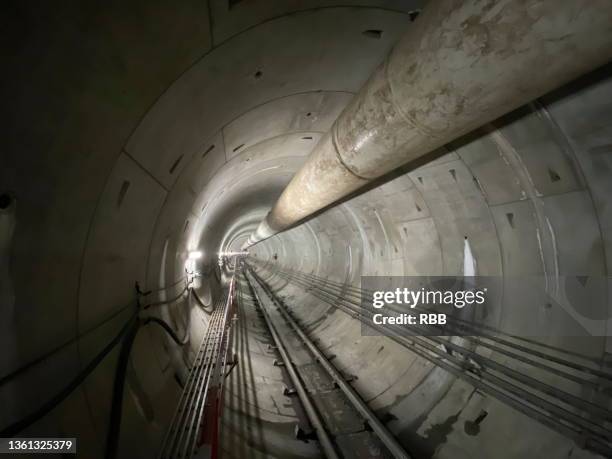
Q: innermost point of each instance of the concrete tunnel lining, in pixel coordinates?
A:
(530, 191)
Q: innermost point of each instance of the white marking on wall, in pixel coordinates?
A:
(469, 262)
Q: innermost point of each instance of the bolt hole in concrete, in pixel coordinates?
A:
(554, 177)
(258, 74)
(373, 33)
(473, 427)
(5, 201)
(176, 163)
(122, 192)
(208, 150)
(309, 114)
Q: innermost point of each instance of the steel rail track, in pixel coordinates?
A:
(378, 428)
(498, 380)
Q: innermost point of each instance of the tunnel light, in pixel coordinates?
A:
(190, 263)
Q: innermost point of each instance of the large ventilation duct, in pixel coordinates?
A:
(463, 64)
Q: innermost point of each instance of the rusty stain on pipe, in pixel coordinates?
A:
(462, 64)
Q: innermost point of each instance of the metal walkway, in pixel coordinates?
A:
(195, 424)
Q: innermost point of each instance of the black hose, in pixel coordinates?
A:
(112, 438)
(8, 377)
(128, 332)
(171, 300)
(18, 426)
(22, 369)
(175, 283)
(168, 329)
(201, 303)
(114, 427)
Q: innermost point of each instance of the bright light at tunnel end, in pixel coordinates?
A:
(190, 263)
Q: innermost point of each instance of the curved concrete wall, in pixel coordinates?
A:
(128, 147)
(524, 193)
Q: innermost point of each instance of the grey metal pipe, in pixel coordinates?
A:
(462, 64)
